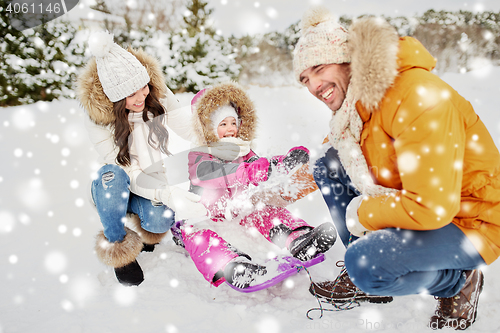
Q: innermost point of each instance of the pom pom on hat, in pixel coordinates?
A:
(119, 71)
(323, 42)
(314, 16)
(100, 43)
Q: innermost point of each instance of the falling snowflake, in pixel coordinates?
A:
(23, 119)
(55, 262)
(124, 296)
(82, 289)
(67, 305)
(174, 283)
(408, 162)
(7, 222)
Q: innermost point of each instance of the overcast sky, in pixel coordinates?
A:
(240, 17)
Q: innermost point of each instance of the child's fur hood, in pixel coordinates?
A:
(220, 95)
(374, 45)
(91, 95)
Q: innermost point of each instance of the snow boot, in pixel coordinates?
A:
(241, 272)
(150, 239)
(280, 234)
(342, 290)
(122, 256)
(130, 275)
(177, 233)
(460, 311)
(318, 240)
(148, 247)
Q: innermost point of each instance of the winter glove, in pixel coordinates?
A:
(258, 171)
(352, 220)
(294, 157)
(185, 204)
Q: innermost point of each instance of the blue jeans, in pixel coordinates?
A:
(334, 184)
(113, 200)
(392, 262)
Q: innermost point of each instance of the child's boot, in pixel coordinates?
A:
(241, 272)
(313, 242)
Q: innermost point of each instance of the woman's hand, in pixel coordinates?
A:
(185, 204)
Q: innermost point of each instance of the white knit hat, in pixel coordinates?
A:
(222, 113)
(323, 42)
(120, 73)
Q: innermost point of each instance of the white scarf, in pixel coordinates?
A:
(146, 155)
(227, 149)
(243, 145)
(345, 136)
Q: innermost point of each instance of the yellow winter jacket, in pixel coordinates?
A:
(424, 139)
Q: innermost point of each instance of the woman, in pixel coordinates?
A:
(128, 106)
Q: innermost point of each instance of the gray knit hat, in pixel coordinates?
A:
(120, 73)
(323, 42)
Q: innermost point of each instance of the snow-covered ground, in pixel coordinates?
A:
(51, 281)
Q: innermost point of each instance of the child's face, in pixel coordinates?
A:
(227, 128)
(137, 101)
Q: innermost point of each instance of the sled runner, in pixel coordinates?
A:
(278, 269)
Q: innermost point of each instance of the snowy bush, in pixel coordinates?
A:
(38, 64)
(192, 56)
(189, 63)
(460, 41)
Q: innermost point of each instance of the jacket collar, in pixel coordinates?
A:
(373, 44)
(378, 56)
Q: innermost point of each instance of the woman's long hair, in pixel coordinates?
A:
(158, 134)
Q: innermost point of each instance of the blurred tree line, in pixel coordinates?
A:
(460, 41)
(42, 63)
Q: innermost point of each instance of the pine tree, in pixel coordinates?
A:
(37, 64)
(196, 20)
(201, 57)
(13, 42)
(101, 6)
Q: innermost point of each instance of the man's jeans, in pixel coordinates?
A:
(393, 262)
(113, 200)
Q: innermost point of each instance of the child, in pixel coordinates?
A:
(225, 115)
(128, 106)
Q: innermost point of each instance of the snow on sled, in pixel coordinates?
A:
(278, 269)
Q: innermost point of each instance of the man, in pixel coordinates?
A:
(412, 171)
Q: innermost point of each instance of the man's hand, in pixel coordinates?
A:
(269, 197)
(352, 220)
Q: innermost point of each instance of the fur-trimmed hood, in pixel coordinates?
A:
(215, 97)
(376, 59)
(91, 94)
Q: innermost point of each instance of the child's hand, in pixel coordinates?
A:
(258, 171)
(295, 156)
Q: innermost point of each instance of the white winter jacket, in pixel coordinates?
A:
(177, 119)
